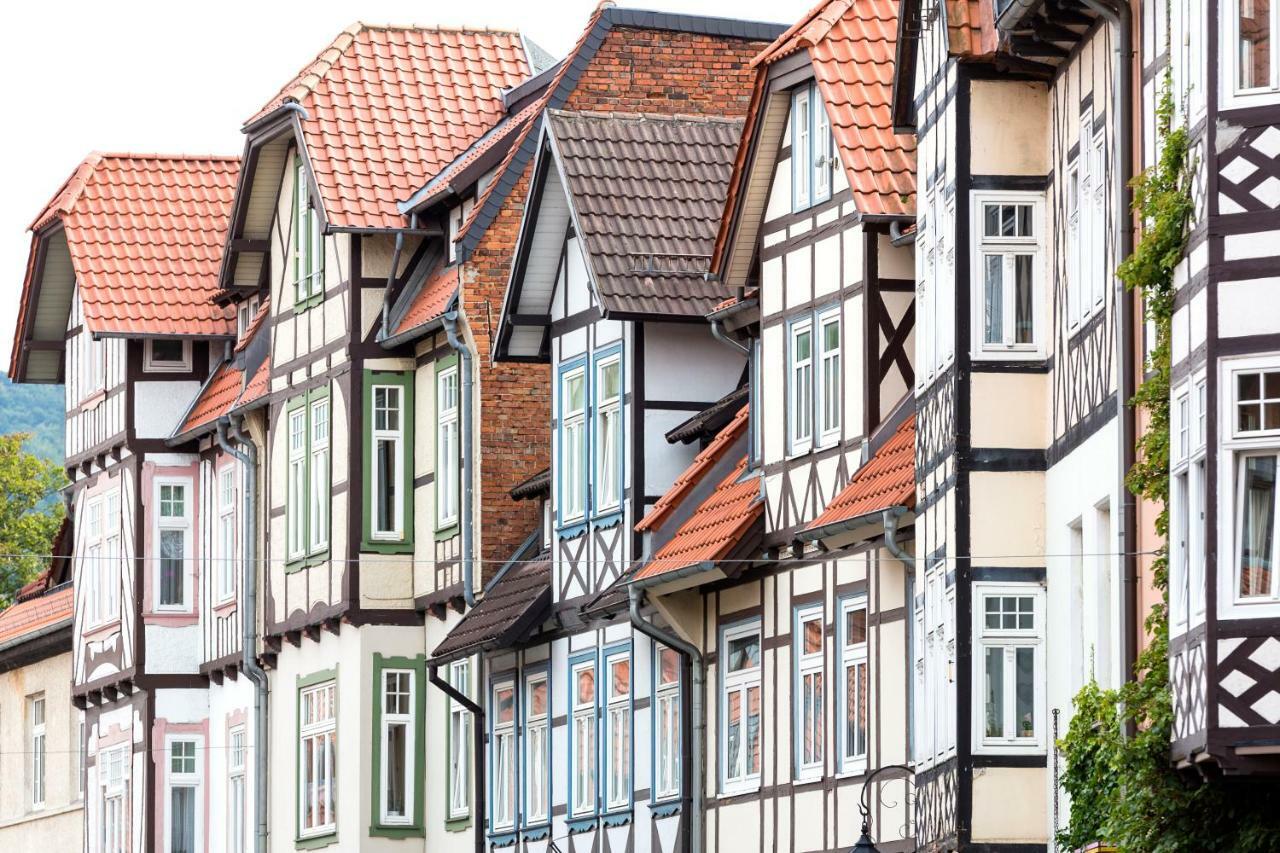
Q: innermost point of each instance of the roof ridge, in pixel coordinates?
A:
(158, 155)
(360, 26)
(691, 118)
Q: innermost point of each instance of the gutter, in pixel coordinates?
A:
(837, 527)
(450, 320)
(1118, 14)
(693, 757)
(478, 798)
(249, 621)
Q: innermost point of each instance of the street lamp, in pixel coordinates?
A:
(865, 844)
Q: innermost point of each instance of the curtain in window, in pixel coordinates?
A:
(1258, 525)
(182, 820)
(171, 548)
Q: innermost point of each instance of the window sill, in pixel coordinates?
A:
(315, 842)
(621, 817)
(89, 403)
(102, 630)
(396, 831)
(504, 838)
(1003, 354)
(387, 546)
(170, 617)
(458, 824)
(536, 832)
(300, 305)
(581, 824)
(299, 563)
(740, 788)
(572, 530)
(1008, 749)
(227, 605)
(667, 808)
(447, 532)
(610, 519)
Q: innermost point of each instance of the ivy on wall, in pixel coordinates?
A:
(1123, 787)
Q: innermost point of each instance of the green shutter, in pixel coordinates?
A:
(403, 545)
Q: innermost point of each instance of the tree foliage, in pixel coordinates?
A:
(28, 518)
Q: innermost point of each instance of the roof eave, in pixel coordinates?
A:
(872, 522)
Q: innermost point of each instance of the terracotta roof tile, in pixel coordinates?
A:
(430, 301)
(145, 234)
(33, 614)
(215, 399)
(888, 479)
(971, 27)
(513, 604)
(264, 309)
(257, 387)
(389, 107)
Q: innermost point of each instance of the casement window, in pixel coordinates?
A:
(666, 725)
(830, 398)
(93, 566)
(173, 535)
(921, 743)
(1186, 507)
(308, 242)
(607, 442)
(537, 753)
(1097, 203)
(396, 784)
(809, 695)
(112, 776)
(37, 747)
(245, 312)
(80, 758)
(183, 783)
(502, 807)
(811, 149)
(308, 421)
(800, 386)
(447, 437)
(1086, 225)
(166, 355)
(618, 731)
(573, 444)
(225, 552)
(297, 436)
(236, 791)
(740, 708)
(936, 656)
(93, 365)
(318, 469)
(1009, 663)
(582, 738)
(1007, 258)
(1251, 32)
(855, 704)
(1077, 182)
(459, 800)
(458, 217)
(317, 760)
(1254, 418)
(388, 461)
(754, 392)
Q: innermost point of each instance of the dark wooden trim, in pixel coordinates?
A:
(1008, 574)
(1004, 459)
(1031, 183)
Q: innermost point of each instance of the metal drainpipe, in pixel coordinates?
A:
(249, 621)
(696, 713)
(450, 320)
(391, 276)
(477, 746)
(1120, 16)
(717, 332)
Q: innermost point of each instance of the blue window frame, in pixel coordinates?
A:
(590, 440)
(535, 747)
(811, 148)
(572, 441)
(667, 723)
(584, 748)
(617, 705)
(607, 432)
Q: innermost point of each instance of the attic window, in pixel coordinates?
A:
(166, 355)
(247, 310)
(811, 149)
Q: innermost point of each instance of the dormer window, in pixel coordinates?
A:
(811, 147)
(308, 242)
(166, 355)
(245, 312)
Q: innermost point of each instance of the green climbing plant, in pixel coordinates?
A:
(1123, 788)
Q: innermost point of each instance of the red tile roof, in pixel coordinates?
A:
(145, 234)
(887, 480)
(971, 28)
(429, 302)
(225, 392)
(264, 309)
(719, 523)
(389, 107)
(32, 614)
(257, 387)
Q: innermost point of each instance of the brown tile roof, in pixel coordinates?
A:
(430, 301)
(711, 420)
(389, 107)
(887, 480)
(514, 604)
(647, 192)
(32, 615)
(145, 235)
(532, 487)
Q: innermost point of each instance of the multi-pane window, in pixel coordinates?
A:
(111, 776)
(811, 149)
(100, 574)
(800, 386)
(183, 782)
(308, 240)
(296, 519)
(829, 396)
(1010, 666)
(236, 791)
(582, 739)
(35, 716)
(809, 692)
(173, 522)
(447, 458)
(1255, 414)
(225, 552)
(166, 355)
(1007, 259)
(397, 745)
(618, 731)
(853, 668)
(537, 723)
(814, 393)
(1187, 507)
(459, 742)
(667, 724)
(740, 708)
(317, 760)
(388, 461)
(608, 434)
(503, 803)
(318, 512)
(1086, 225)
(1253, 29)
(936, 657)
(573, 444)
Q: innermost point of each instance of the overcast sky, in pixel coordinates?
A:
(181, 77)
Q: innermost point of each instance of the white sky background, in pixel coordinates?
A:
(181, 77)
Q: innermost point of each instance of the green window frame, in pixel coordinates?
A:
(448, 439)
(414, 827)
(304, 684)
(308, 242)
(455, 819)
(308, 428)
(395, 438)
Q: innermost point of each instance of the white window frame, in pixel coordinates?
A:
(459, 805)
(802, 149)
(809, 704)
(667, 722)
(1009, 640)
(150, 364)
(800, 378)
(618, 733)
(853, 656)
(113, 780)
(607, 474)
(447, 438)
(308, 239)
(1187, 505)
(584, 764)
(37, 714)
(936, 697)
(225, 539)
(822, 148)
(187, 779)
(245, 312)
(1077, 180)
(296, 447)
(388, 720)
(1233, 96)
(740, 682)
(397, 439)
(829, 401)
(323, 732)
(536, 750)
(504, 776)
(1098, 208)
(236, 789)
(93, 562)
(1007, 248)
(319, 432)
(181, 523)
(572, 478)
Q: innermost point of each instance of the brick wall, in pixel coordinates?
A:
(649, 71)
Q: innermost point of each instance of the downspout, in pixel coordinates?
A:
(249, 621)
(477, 749)
(717, 332)
(450, 320)
(391, 274)
(696, 713)
(1120, 16)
